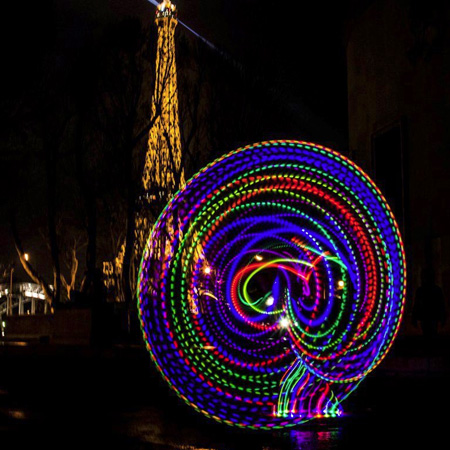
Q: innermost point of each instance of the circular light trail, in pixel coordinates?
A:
(272, 284)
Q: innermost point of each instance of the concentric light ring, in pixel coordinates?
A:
(272, 284)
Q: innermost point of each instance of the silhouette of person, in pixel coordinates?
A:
(429, 306)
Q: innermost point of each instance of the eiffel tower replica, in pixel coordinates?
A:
(163, 172)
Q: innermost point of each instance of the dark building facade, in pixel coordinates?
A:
(398, 56)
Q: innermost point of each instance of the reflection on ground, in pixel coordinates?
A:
(315, 440)
(120, 402)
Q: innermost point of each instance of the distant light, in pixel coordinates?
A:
(341, 284)
(34, 295)
(270, 300)
(207, 270)
(284, 322)
(258, 258)
(26, 256)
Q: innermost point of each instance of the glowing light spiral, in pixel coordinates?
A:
(271, 284)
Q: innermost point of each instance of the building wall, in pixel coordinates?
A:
(398, 56)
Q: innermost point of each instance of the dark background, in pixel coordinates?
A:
(368, 78)
(295, 51)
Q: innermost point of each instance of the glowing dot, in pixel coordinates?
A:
(258, 258)
(341, 284)
(284, 322)
(207, 270)
(270, 300)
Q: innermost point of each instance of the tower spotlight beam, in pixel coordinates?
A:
(208, 43)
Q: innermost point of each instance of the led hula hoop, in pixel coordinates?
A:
(272, 284)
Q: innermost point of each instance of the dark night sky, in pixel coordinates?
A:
(297, 46)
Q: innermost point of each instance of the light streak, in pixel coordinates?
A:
(154, 2)
(290, 336)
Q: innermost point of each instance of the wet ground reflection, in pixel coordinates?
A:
(315, 440)
(146, 427)
(71, 402)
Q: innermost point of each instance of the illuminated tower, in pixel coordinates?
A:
(163, 172)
